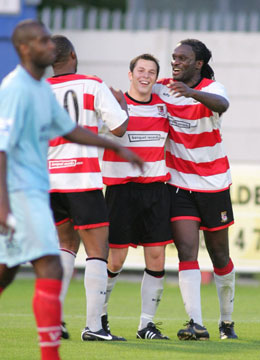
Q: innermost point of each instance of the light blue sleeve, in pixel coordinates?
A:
(62, 124)
(12, 110)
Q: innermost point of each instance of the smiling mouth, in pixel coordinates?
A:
(144, 83)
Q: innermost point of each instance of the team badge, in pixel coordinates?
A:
(224, 217)
(161, 110)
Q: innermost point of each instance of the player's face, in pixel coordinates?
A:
(184, 64)
(41, 49)
(143, 77)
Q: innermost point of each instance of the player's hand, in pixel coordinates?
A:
(7, 223)
(130, 156)
(178, 88)
(118, 94)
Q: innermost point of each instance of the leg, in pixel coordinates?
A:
(7, 275)
(186, 237)
(224, 275)
(46, 304)
(151, 292)
(96, 245)
(69, 244)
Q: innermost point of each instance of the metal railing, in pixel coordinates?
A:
(94, 19)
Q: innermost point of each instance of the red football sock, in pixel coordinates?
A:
(1, 290)
(47, 311)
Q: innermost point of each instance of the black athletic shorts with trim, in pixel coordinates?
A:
(139, 214)
(87, 210)
(212, 209)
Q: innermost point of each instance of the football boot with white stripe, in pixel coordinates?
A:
(226, 330)
(151, 332)
(64, 331)
(193, 331)
(101, 335)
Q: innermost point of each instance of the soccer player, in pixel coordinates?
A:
(29, 117)
(77, 199)
(199, 183)
(138, 203)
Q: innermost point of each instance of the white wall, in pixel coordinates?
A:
(236, 61)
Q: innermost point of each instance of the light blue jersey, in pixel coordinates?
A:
(29, 117)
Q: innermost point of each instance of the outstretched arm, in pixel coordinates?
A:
(118, 94)
(86, 137)
(214, 102)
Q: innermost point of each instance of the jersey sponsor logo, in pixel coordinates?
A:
(166, 94)
(161, 110)
(144, 137)
(54, 164)
(224, 217)
(5, 125)
(180, 123)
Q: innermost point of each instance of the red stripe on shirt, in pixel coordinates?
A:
(146, 153)
(151, 123)
(190, 112)
(215, 167)
(193, 141)
(140, 179)
(88, 102)
(77, 165)
(72, 77)
(61, 140)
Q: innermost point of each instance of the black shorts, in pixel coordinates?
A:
(213, 210)
(139, 214)
(86, 209)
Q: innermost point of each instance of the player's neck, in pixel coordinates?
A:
(35, 71)
(139, 96)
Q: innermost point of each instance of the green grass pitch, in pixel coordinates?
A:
(18, 338)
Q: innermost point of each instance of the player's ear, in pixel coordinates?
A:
(199, 64)
(73, 55)
(130, 75)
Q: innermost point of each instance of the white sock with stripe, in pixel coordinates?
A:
(111, 281)
(95, 282)
(151, 293)
(68, 262)
(189, 282)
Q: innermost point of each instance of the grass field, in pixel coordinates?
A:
(18, 338)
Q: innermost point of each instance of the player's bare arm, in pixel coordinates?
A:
(214, 102)
(118, 94)
(86, 137)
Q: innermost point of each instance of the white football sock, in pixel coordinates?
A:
(95, 282)
(68, 262)
(226, 291)
(151, 293)
(189, 282)
(111, 281)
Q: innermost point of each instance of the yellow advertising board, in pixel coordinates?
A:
(244, 234)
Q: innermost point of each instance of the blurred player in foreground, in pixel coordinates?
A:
(138, 203)
(76, 183)
(200, 181)
(29, 117)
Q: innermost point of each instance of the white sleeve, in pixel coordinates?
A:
(216, 88)
(108, 108)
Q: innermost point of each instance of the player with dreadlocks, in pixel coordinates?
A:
(200, 182)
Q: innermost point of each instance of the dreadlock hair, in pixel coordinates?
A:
(63, 48)
(201, 53)
(144, 57)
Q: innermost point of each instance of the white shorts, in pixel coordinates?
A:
(35, 234)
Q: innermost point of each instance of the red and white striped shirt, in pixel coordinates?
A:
(74, 167)
(195, 155)
(146, 135)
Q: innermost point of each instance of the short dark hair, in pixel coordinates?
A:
(64, 48)
(144, 57)
(23, 33)
(201, 53)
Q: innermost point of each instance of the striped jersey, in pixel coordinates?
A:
(146, 135)
(195, 155)
(73, 167)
